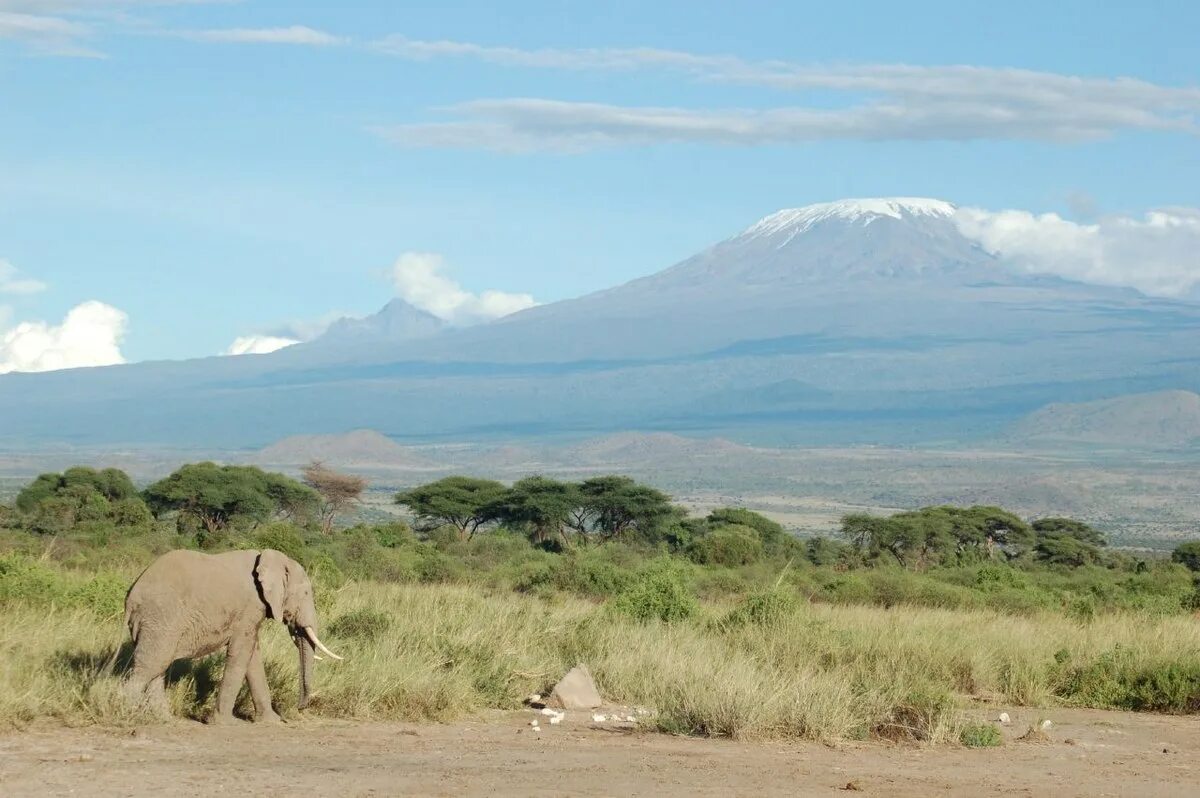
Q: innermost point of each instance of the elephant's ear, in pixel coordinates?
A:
(271, 573)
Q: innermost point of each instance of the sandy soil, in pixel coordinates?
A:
(1088, 754)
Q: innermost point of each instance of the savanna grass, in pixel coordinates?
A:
(783, 668)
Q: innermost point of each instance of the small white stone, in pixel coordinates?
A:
(1004, 717)
(1046, 725)
(549, 712)
(533, 723)
(536, 698)
(557, 719)
(630, 719)
(598, 718)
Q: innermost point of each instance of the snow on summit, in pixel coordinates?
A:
(798, 220)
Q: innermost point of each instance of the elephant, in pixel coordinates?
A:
(189, 604)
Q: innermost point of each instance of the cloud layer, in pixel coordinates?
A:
(876, 101)
(12, 282)
(89, 335)
(295, 34)
(419, 280)
(1158, 254)
(258, 344)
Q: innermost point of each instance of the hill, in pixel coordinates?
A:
(1160, 420)
(361, 448)
(860, 321)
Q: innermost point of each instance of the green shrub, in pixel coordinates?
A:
(1119, 680)
(980, 735)
(591, 576)
(662, 592)
(104, 594)
(283, 537)
(762, 608)
(395, 535)
(728, 546)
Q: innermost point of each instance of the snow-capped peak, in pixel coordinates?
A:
(797, 220)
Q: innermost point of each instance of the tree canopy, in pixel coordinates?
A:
(337, 491)
(218, 496)
(465, 503)
(53, 502)
(920, 538)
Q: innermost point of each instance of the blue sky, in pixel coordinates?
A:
(228, 169)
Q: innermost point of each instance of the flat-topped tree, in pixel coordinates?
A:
(465, 503)
(543, 507)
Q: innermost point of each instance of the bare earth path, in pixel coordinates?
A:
(1090, 753)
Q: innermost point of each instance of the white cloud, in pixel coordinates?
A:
(419, 281)
(258, 344)
(881, 101)
(64, 27)
(11, 281)
(296, 34)
(46, 34)
(90, 335)
(1158, 254)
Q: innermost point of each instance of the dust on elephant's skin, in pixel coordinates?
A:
(188, 604)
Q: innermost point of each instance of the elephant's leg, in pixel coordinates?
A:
(151, 658)
(256, 675)
(237, 661)
(156, 694)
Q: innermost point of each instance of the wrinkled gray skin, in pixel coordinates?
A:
(188, 604)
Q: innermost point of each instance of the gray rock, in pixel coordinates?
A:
(576, 690)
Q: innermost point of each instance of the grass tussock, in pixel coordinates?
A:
(768, 666)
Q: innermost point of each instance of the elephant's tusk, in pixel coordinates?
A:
(316, 641)
(318, 656)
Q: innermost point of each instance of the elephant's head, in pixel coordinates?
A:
(288, 594)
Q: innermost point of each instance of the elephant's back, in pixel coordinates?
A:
(184, 575)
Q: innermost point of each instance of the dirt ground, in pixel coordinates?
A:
(1088, 754)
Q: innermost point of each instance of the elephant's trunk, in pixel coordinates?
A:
(306, 670)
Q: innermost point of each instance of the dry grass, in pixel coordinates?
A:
(437, 652)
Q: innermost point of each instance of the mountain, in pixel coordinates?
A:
(1160, 420)
(360, 448)
(859, 321)
(397, 321)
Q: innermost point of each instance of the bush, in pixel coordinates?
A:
(763, 608)
(282, 537)
(980, 735)
(728, 546)
(662, 592)
(1120, 680)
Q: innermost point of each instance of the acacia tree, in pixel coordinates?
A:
(338, 491)
(218, 496)
(610, 507)
(465, 503)
(543, 507)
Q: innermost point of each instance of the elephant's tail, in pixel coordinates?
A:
(132, 621)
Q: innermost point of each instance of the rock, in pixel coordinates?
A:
(557, 719)
(1046, 725)
(536, 698)
(598, 718)
(548, 711)
(577, 690)
(533, 723)
(1004, 718)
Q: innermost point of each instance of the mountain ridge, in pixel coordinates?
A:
(878, 321)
